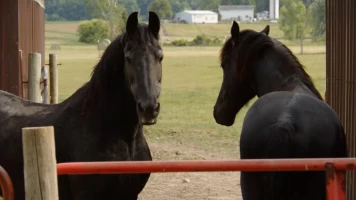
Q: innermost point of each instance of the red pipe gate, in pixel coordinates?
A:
(334, 168)
(6, 185)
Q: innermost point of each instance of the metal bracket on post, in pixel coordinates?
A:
(335, 183)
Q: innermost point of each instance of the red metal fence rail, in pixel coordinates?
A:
(317, 164)
(6, 185)
(334, 168)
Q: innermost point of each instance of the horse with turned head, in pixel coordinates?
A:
(101, 121)
(288, 120)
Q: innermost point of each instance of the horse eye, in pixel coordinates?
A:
(160, 59)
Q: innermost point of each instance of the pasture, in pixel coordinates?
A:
(186, 128)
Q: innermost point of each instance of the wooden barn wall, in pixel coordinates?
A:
(21, 32)
(9, 54)
(341, 72)
(31, 34)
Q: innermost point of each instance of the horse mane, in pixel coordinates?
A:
(249, 49)
(111, 64)
(302, 74)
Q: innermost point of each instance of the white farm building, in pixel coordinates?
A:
(274, 9)
(197, 16)
(236, 12)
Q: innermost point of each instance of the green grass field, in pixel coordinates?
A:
(191, 82)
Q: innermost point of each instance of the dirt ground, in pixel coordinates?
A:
(190, 186)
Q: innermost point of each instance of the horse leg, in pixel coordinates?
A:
(93, 187)
(250, 185)
(87, 187)
(128, 197)
(64, 188)
(316, 185)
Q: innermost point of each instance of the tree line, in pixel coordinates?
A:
(298, 18)
(73, 10)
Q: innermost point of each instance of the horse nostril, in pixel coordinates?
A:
(140, 108)
(157, 107)
(148, 108)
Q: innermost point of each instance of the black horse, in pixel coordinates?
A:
(101, 121)
(288, 120)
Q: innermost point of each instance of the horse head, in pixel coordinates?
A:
(143, 65)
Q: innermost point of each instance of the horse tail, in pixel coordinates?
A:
(280, 145)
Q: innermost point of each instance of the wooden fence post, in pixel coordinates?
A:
(34, 77)
(53, 70)
(40, 166)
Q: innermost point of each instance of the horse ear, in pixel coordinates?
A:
(265, 30)
(154, 23)
(131, 24)
(235, 31)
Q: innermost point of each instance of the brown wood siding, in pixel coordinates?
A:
(341, 72)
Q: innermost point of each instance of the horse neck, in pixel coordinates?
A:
(114, 107)
(275, 72)
(294, 84)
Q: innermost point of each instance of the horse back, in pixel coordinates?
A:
(15, 106)
(289, 125)
(309, 123)
(16, 113)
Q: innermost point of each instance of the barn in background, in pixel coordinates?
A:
(21, 32)
(197, 16)
(236, 12)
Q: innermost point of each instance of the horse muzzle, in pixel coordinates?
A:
(148, 112)
(223, 118)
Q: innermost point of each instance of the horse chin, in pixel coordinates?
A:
(226, 122)
(148, 122)
(224, 118)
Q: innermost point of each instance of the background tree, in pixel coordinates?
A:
(111, 12)
(317, 18)
(162, 7)
(129, 5)
(293, 21)
(92, 31)
(209, 5)
(72, 10)
(262, 5)
(194, 4)
(235, 2)
(143, 5)
(307, 3)
(179, 5)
